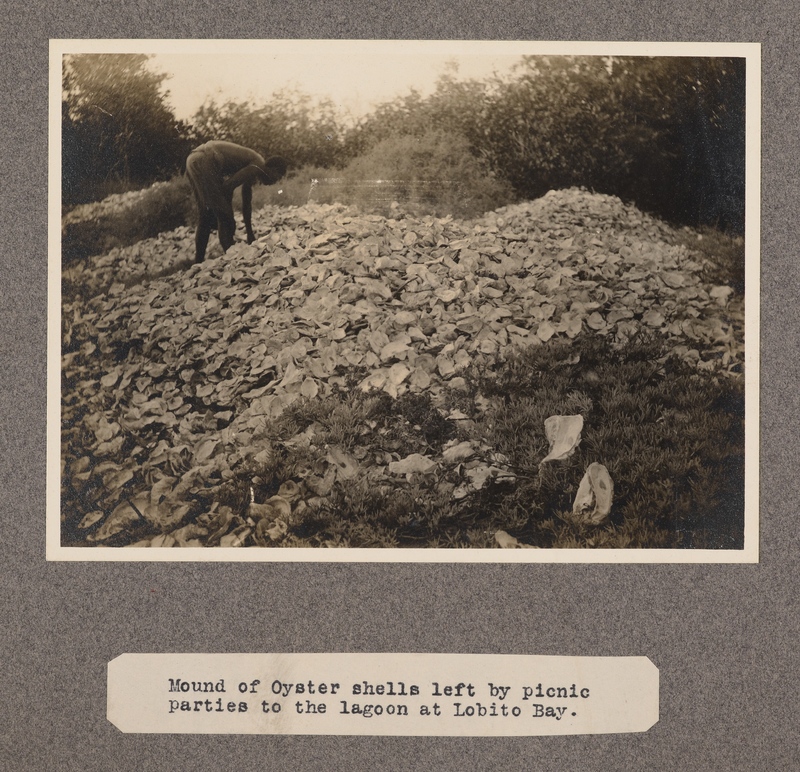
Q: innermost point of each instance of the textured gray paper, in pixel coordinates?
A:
(723, 637)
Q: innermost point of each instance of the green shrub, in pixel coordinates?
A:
(116, 126)
(664, 132)
(434, 173)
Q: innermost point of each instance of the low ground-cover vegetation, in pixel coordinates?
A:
(670, 440)
(357, 380)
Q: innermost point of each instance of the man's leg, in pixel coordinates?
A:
(247, 212)
(226, 225)
(205, 222)
(201, 171)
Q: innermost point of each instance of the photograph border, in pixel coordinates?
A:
(750, 552)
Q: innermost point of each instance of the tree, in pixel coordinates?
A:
(455, 107)
(116, 125)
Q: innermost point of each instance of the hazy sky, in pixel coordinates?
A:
(355, 79)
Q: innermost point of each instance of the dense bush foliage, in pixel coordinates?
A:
(291, 125)
(664, 132)
(667, 133)
(456, 107)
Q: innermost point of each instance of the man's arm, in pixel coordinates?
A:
(246, 176)
(247, 211)
(275, 169)
(272, 171)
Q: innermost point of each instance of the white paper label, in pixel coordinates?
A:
(381, 694)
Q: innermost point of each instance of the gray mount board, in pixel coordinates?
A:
(722, 636)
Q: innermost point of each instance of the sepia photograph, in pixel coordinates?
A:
(403, 300)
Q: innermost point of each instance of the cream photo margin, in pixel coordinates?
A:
(749, 554)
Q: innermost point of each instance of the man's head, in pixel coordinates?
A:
(276, 169)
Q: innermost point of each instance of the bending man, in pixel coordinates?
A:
(215, 170)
